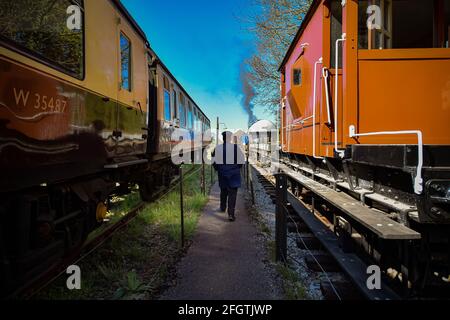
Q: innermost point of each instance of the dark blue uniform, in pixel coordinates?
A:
(228, 161)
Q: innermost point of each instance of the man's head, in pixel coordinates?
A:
(226, 136)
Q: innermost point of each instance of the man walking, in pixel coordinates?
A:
(228, 161)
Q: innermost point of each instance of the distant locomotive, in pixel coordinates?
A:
(87, 109)
(366, 111)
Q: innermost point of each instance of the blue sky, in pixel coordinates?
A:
(203, 43)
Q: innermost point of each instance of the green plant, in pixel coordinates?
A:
(134, 288)
(293, 288)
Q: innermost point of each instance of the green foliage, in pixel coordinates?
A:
(166, 212)
(40, 26)
(132, 289)
(293, 288)
(136, 262)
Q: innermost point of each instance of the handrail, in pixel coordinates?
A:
(326, 75)
(320, 61)
(418, 181)
(283, 125)
(300, 121)
(336, 96)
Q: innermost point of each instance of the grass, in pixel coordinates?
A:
(292, 286)
(138, 261)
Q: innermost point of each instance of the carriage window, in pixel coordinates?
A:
(48, 30)
(197, 122)
(297, 77)
(182, 111)
(125, 61)
(402, 24)
(167, 107)
(444, 41)
(336, 31)
(190, 117)
(195, 119)
(167, 111)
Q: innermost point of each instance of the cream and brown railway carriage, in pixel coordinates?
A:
(176, 114)
(73, 89)
(81, 118)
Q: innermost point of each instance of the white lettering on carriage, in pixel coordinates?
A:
(21, 97)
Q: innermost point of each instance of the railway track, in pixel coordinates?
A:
(30, 289)
(344, 273)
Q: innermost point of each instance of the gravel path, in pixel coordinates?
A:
(225, 261)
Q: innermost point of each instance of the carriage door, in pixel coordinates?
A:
(298, 101)
(152, 116)
(335, 128)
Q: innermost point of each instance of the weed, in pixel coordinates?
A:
(293, 288)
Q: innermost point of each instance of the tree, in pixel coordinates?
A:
(274, 26)
(40, 26)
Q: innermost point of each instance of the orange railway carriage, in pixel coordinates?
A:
(392, 90)
(366, 106)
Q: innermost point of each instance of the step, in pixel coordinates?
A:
(327, 262)
(350, 263)
(377, 222)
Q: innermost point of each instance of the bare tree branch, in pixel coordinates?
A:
(274, 27)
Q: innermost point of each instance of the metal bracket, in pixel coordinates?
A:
(348, 175)
(313, 166)
(334, 173)
(125, 164)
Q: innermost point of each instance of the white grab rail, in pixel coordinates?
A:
(326, 75)
(418, 181)
(283, 124)
(336, 96)
(300, 121)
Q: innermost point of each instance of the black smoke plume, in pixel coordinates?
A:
(249, 94)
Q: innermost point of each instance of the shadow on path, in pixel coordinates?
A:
(225, 261)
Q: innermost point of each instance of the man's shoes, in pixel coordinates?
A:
(232, 218)
(222, 210)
